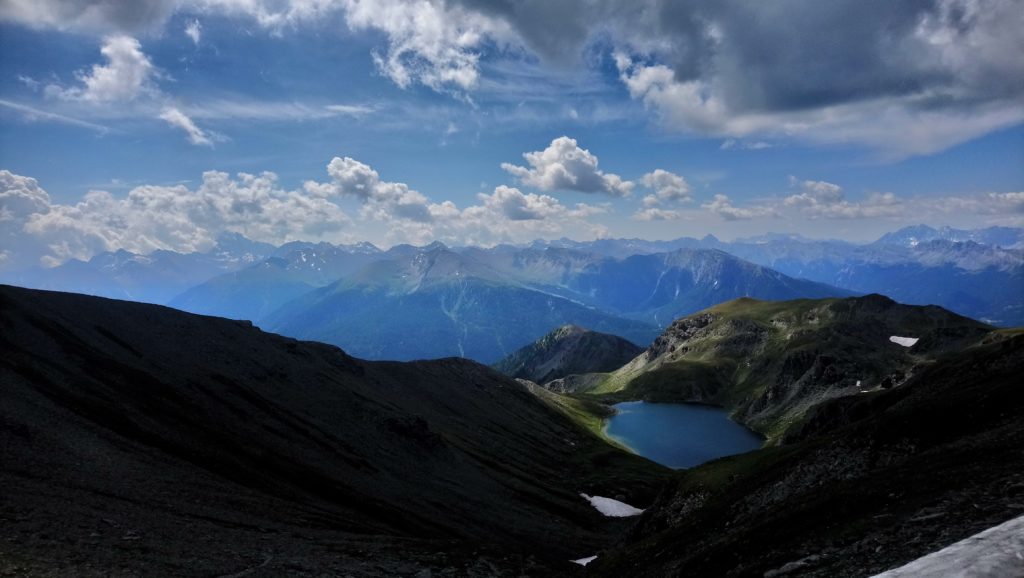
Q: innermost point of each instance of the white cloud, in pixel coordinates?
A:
(158, 217)
(514, 205)
(812, 193)
(1009, 205)
(354, 110)
(506, 215)
(245, 109)
(668, 187)
(127, 74)
(433, 43)
(723, 207)
(194, 30)
(176, 118)
(34, 114)
(20, 197)
(824, 199)
(564, 166)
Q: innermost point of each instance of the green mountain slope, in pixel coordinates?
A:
(771, 361)
(140, 439)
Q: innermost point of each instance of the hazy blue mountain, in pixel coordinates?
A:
(656, 288)
(995, 236)
(256, 291)
(978, 273)
(437, 303)
(980, 281)
(154, 278)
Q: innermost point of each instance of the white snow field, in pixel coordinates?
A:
(584, 561)
(904, 341)
(995, 553)
(612, 508)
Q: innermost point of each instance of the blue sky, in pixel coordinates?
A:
(690, 118)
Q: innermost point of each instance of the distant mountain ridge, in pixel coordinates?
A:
(653, 282)
(437, 303)
(154, 278)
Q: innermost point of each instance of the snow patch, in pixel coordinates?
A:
(612, 508)
(998, 551)
(904, 341)
(584, 561)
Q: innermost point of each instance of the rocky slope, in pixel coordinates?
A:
(136, 439)
(770, 362)
(567, 350)
(872, 482)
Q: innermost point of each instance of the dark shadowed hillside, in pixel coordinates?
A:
(869, 483)
(136, 439)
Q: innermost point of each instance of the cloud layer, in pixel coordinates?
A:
(903, 78)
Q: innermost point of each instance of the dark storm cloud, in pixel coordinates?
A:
(790, 55)
(94, 15)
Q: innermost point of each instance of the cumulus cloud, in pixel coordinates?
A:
(176, 118)
(158, 217)
(514, 205)
(505, 215)
(723, 207)
(668, 187)
(127, 73)
(382, 200)
(564, 166)
(824, 199)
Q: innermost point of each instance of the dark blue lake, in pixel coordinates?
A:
(679, 435)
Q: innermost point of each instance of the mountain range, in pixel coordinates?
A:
(138, 438)
(355, 296)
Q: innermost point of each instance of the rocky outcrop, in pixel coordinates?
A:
(568, 350)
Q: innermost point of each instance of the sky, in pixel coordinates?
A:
(160, 124)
